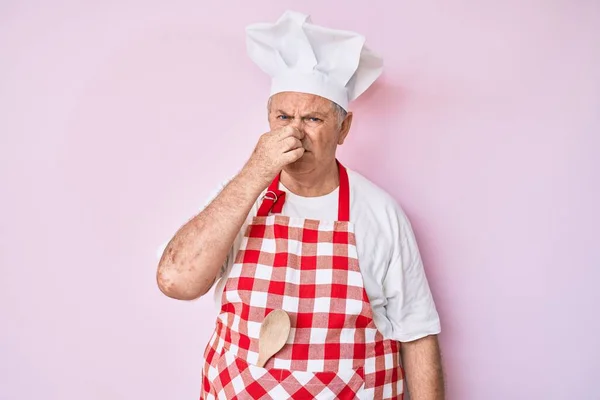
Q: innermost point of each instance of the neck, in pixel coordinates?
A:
(312, 183)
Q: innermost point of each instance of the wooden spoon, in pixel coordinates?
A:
(274, 332)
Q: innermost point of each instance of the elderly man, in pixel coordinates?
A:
(297, 232)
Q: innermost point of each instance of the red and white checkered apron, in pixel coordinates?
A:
(308, 268)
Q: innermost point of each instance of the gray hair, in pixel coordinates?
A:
(340, 112)
(337, 109)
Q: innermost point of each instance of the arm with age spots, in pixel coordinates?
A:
(191, 261)
(423, 367)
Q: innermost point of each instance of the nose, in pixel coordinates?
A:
(297, 123)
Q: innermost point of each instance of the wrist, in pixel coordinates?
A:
(252, 180)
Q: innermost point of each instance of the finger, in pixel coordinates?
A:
(292, 155)
(291, 143)
(290, 131)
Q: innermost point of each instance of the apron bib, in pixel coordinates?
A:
(309, 269)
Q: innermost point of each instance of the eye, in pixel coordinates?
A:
(314, 119)
(283, 117)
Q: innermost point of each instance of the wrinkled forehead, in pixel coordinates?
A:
(296, 102)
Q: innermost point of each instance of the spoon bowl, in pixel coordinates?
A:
(274, 333)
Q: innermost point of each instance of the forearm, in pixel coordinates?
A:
(423, 367)
(193, 257)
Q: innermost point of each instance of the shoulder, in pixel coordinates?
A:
(365, 194)
(378, 217)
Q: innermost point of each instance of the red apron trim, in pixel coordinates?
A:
(344, 197)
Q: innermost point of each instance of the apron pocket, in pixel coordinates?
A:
(235, 377)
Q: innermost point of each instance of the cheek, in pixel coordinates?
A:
(322, 141)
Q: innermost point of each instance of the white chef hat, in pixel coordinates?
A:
(303, 57)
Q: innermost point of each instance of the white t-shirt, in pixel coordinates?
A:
(388, 256)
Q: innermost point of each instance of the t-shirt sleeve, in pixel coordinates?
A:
(410, 305)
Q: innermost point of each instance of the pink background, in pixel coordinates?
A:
(118, 118)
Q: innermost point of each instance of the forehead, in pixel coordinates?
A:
(300, 102)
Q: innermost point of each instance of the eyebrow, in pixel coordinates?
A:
(309, 114)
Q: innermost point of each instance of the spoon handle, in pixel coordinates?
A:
(262, 361)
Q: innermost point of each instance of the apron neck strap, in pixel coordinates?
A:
(344, 195)
(274, 198)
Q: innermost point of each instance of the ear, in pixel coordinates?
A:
(345, 128)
